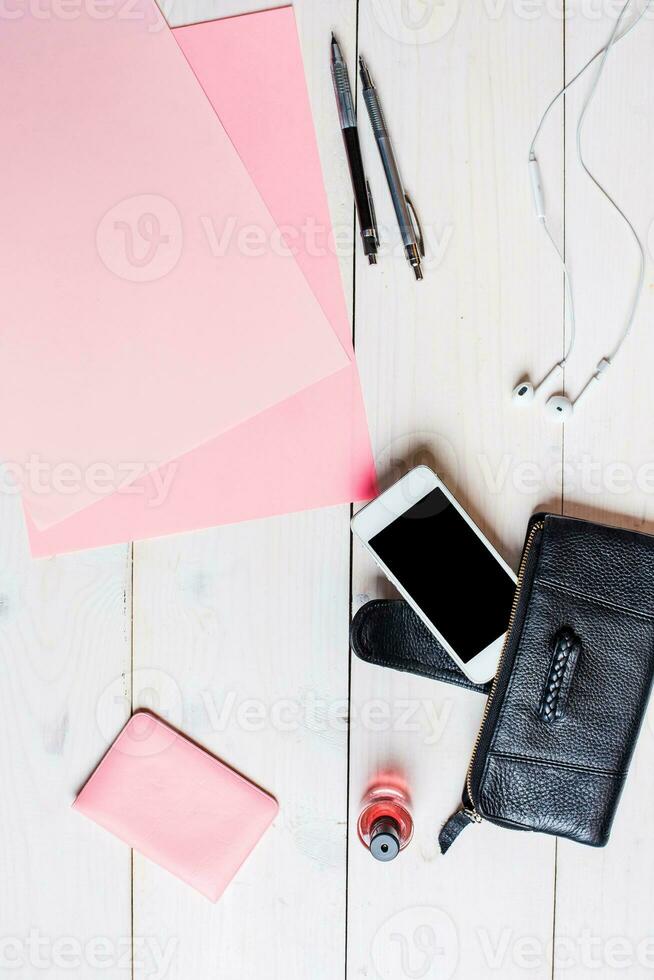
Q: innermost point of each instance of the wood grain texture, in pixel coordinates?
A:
(439, 361)
(603, 897)
(238, 635)
(65, 651)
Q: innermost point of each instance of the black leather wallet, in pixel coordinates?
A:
(572, 686)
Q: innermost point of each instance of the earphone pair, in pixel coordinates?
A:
(559, 407)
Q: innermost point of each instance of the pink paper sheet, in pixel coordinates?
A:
(312, 450)
(125, 339)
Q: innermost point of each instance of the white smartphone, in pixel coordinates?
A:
(443, 566)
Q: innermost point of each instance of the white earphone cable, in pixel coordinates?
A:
(602, 52)
(583, 70)
(580, 125)
(568, 294)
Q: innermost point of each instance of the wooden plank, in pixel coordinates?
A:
(242, 635)
(64, 693)
(439, 361)
(604, 897)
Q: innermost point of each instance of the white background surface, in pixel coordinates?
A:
(239, 635)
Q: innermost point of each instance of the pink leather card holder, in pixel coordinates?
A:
(176, 804)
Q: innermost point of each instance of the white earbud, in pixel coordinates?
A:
(525, 392)
(560, 408)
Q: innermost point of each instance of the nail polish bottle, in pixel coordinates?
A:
(385, 822)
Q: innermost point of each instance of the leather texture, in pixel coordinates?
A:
(388, 633)
(170, 800)
(573, 686)
(452, 829)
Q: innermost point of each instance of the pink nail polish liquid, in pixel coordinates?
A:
(385, 822)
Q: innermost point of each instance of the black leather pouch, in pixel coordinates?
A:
(388, 633)
(574, 678)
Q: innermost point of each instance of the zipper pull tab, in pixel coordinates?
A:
(457, 822)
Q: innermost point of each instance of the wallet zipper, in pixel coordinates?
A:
(471, 811)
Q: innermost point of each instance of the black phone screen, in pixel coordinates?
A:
(449, 573)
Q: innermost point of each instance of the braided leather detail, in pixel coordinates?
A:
(557, 685)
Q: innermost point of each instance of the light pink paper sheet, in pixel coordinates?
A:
(312, 450)
(139, 320)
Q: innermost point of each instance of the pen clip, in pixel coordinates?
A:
(373, 213)
(417, 227)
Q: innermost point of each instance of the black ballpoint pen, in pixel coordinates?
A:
(348, 120)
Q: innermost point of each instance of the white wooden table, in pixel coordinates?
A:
(239, 635)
